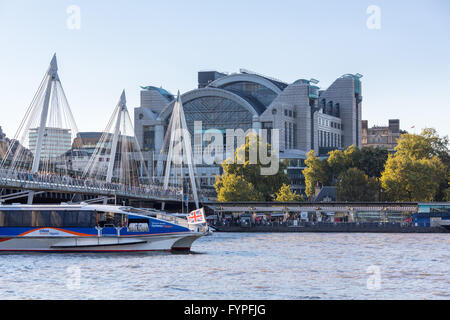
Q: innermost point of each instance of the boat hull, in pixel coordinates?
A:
(145, 243)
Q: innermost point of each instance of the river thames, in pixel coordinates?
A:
(244, 266)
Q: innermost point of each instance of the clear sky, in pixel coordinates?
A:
(126, 44)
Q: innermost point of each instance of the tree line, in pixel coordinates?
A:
(417, 171)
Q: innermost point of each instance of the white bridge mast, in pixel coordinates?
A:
(122, 108)
(52, 76)
(177, 128)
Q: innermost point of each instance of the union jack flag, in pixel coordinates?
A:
(196, 217)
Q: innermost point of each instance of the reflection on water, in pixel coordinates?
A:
(244, 266)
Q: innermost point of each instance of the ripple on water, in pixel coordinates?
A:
(244, 266)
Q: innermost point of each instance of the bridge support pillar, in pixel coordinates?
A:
(30, 198)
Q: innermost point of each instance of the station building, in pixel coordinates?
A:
(307, 117)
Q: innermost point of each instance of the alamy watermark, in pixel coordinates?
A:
(73, 280)
(374, 279)
(73, 21)
(374, 20)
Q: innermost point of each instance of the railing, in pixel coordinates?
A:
(315, 225)
(158, 215)
(44, 182)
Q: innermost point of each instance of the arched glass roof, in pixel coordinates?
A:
(259, 96)
(217, 113)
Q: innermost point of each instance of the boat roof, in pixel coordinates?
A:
(83, 206)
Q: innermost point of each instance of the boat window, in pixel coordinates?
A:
(111, 219)
(56, 218)
(84, 219)
(16, 218)
(47, 218)
(71, 218)
(40, 218)
(138, 225)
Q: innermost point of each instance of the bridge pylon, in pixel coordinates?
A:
(117, 159)
(178, 148)
(46, 133)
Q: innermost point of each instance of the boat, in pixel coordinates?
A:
(445, 224)
(92, 228)
(205, 226)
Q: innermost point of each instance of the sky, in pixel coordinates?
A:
(402, 49)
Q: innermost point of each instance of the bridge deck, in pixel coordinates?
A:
(128, 192)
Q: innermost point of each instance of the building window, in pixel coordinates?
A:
(294, 133)
(290, 135)
(148, 138)
(268, 126)
(285, 135)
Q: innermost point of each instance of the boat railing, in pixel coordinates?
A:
(176, 220)
(158, 215)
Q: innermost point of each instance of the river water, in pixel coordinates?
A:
(244, 266)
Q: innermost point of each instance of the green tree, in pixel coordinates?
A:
(240, 170)
(447, 195)
(370, 160)
(234, 188)
(315, 173)
(355, 185)
(285, 194)
(419, 169)
(410, 179)
(427, 145)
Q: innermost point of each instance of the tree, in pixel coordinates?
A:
(447, 195)
(370, 160)
(234, 188)
(410, 179)
(240, 170)
(316, 173)
(285, 194)
(355, 185)
(427, 145)
(418, 171)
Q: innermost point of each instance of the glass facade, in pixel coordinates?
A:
(217, 113)
(148, 138)
(262, 94)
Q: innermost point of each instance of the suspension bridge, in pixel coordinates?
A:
(40, 159)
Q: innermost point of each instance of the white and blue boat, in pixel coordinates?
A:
(92, 228)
